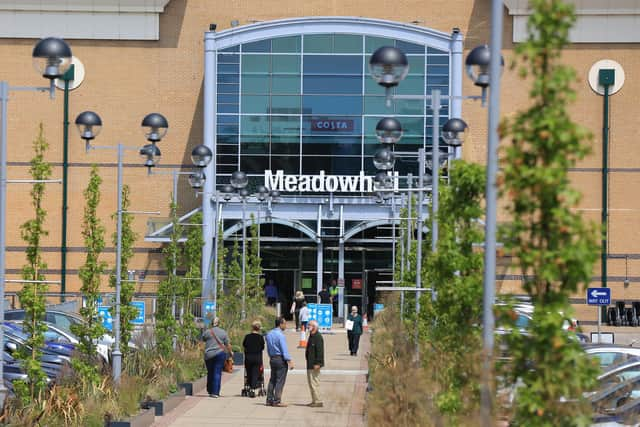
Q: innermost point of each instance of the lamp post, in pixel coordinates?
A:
(155, 126)
(239, 181)
(51, 58)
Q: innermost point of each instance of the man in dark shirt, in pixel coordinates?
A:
(314, 354)
(324, 296)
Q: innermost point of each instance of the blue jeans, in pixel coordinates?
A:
(214, 372)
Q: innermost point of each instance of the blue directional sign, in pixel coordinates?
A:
(208, 308)
(598, 296)
(321, 313)
(105, 315)
(377, 307)
(139, 319)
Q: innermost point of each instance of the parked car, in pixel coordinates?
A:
(15, 331)
(617, 404)
(610, 355)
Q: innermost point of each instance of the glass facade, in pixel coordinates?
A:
(306, 103)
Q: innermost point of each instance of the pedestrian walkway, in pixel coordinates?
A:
(342, 384)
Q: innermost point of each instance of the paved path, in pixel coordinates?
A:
(342, 384)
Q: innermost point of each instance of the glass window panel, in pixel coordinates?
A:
(318, 104)
(325, 84)
(407, 47)
(251, 147)
(225, 169)
(331, 165)
(347, 43)
(254, 164)
(281, 104)
(228, 59)
(373, 43)
(409, 106)
(259, 46)
(338, 146)
(232, 49)
(328, 126)
(441, 70)
(371, 87)
(416, 65)
(255, 84)
(288, 164)
(255, 125)
(318, 43)
(228, 160)
(225, 144)
(227, 99)
(255, 104)
(438, 80)
(284, 145)
(228, 108)
(285, 64)
(225, 119)
(228, 88)
(444, 90)
(438, 60)
(411, 85)
(255, 63)
(434, 51)
(286, 44)
(411, 126)
(377, 105)
(285, 125)
(228, 78)
(321, 64)
(285, 84)
(228, 68)
(228, 129)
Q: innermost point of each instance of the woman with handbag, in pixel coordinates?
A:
(296, 306)
(216, 353)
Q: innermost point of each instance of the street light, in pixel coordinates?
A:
(239, 181)
(51, 58)
(155, 127)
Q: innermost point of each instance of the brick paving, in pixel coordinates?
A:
(342, 384)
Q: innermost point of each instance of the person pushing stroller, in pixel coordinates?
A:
(253, 346)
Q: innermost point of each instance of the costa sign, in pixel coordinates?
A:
(331, 125)
(323, 183)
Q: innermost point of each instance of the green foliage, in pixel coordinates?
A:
(455, 270)
(255, 281)
(32, 294)
(91, 330)
(230, 299)
(190, 287)
(166, 326)
(554, 248)
(127, 288)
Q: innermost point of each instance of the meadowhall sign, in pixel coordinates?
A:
(322, 183)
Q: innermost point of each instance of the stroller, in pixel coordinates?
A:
(247, 391)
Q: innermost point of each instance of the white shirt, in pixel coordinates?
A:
(304, 314)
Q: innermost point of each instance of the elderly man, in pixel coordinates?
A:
(279, 360)
(315, 360)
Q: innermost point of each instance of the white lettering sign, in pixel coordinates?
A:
(322, 183)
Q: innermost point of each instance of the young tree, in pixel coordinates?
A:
(188, 291)
(455, 270)
(165, 316)
(90, 273)
(254, 282)
(127, 288)
(31, 296)
(230, 301)
(553, 247)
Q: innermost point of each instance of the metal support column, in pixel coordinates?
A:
(4, 98)
(67, 77)
(117, 354)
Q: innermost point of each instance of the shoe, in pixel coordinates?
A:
(269, 404)
(215, 395)
(280, 405)
(211, 395)
(315, 405)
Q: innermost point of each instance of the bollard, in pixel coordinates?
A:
(278, 309)
(365, 324)
(303, 338)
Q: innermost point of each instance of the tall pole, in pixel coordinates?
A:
(393, 238)
(488, 322)
(67, 77)
(409, 220)
(4, 98)
(117, 355)
(214, 275)
(244, 260)
(605, 185)
(419, 226)
(435, 168)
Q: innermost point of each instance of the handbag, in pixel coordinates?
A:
(228, 363)
(348, 324)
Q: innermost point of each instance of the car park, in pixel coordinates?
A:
(610, 355)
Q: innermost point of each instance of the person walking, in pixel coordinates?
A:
(314, 354)
(324, 296)
(279, 360)
(217, 349)
(354, 333)
(304, 316)
(296, 306)
(253, 345)
(333, 294)
(271, 293)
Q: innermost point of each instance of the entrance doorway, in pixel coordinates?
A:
(287, 283)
